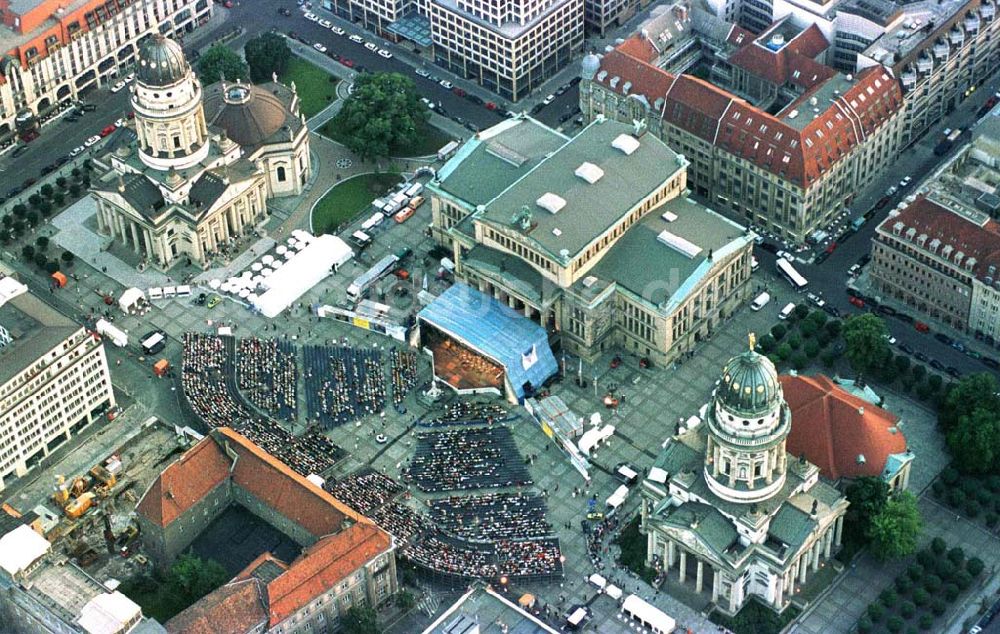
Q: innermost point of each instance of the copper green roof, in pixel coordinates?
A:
(749, 384)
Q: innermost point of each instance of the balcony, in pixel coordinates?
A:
(957, 36)
(941, 49)
(924, 65)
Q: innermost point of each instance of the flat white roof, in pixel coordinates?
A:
(649, 614)
(108, 613)
(627, 472)
(577, 617)
(589, 172)
(657, 474)
(20, 548)
(681, 245)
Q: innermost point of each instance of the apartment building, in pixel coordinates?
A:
(583, 237)
(54, 380)
(56, 51)
(940, 253)
(509, 48)
(941, 51)
(777, 138)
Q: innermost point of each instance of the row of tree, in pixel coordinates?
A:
(263, 56)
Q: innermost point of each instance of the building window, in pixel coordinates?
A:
(281, 174)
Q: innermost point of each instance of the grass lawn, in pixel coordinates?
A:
(317, 88)
(342, 203)
(431, 140)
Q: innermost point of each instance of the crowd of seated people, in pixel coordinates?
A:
(267, 375)
(208, 379)
(343, 383)
(468, 458)
(403, 371)
(492, 516)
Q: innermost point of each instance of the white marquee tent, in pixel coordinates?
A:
(285, 285)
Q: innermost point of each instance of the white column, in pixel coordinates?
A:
(671, 553)
(827, 542)
(135, 237)
(680, 576)
(779, 592)
(716, 585)
(803, 567)
(815, 555)
(840, 529)
(699, 577)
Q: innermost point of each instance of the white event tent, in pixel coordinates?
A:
(323, 254)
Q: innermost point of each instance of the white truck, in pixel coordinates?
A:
(106, 329)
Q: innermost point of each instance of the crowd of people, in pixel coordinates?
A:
(403, 370)
(492, 516)
(343, 383)
(468, 412)
(460, 459)
(365, 491)
(208, 378)
(596, 534)
(510, 558)
(401, 521)
(267, 375)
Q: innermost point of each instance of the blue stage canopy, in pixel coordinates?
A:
(483, 324)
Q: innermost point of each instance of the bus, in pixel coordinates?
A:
(372, 275)
(794, 277)
(648, 615)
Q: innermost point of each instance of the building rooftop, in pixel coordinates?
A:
(833, 429)
(914, 27)
(20, 548)
(34, 328)
(566, 208)
(495, 158)
(660, 268)
(800, 144)
(510, 29)
(484, 611)
(238, 606)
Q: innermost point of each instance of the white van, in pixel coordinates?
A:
(787, 311)
(760, 302)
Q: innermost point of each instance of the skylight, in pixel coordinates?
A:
(679, 244)
(589, 172)
(626, 143)
(550, 202)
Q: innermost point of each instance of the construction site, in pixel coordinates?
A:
(89, 516)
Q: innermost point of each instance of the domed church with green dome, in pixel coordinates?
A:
(726, 509)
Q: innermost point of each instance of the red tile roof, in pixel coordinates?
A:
(347, 540)
(206, 465)
(175, 490)
(235, 608)
(720, 118)
(973, 240)
(322, 566)
(640, 48)
(779, 67)
(832, 427)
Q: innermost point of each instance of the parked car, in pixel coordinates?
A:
(855, 270)
(856, 301)
(458, 91)
(921, 327)
(943, 338)
(422, 73)
(903, 184)
(990, 363)
(357, 39)
(905, 348)
(337, 30)
(816, 299)
(92, 140)
(937, 365)
(384, 53)
(920, 356)
(319, 47)
(549, 99)
(447, 85)
(324, 23)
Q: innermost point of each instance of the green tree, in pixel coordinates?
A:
(801, 311)
(895, 529)
(28, 252)
(220, 62)
(58, 198)
(45, 208)
(383, 114)
(7, 220)
(778, 332)
(34, 200)
(405, 600)
(765, 344)
(40, 259)
(266, 54)
(42, 243)
(19, 210)
(975, 441)
(46, 190)
(972, 392)
(5, 236)
(867, 496)
(61, 182)
(51, 266)
(67, 257)
(865, 339)
(902, 363)
(17, 227)
(193, 577)
(74, 190)
(31, 217)
(360, 620)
